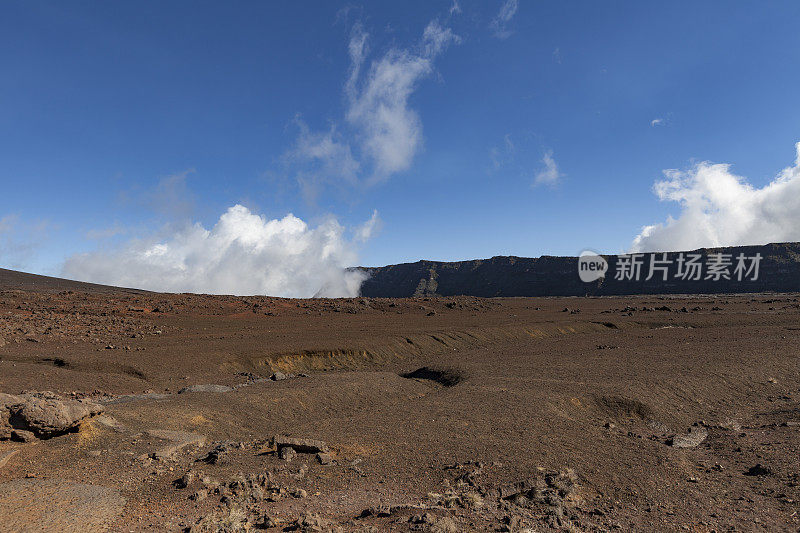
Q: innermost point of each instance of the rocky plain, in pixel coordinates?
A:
(131, 411)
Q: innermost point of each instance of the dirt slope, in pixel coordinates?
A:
(438, 414)
(15, 280)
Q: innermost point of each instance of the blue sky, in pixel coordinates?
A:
(124, 120)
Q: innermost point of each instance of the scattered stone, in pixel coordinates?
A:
(231, 520)
(512, 489)
(379, 511)
(553, 491)
(217, 453)
(43, 414)
(309, 522)
(205, 388)
(278, 376)
(425, 518)
(301, 473)
(300, 445)
(287, 453)
(299, 493)
(758, 470)
(324, 458)
(199, 496)
(693, 439)
(184, 481)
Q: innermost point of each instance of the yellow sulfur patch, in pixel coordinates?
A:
(199, 420)
(88, 432)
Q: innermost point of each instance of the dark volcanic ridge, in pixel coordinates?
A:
(510, 276)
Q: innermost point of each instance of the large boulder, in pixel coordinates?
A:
(43, 414)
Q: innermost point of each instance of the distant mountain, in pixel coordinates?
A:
(509, 276)
(778, 271)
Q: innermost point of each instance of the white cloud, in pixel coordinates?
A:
(244, 253)
(358, 50)
(436, 39)
(389, 132)
(719, 208)
(320, 158)
(382, 133)
(370, 228)
(549, 175)
(455, 9)
(499, 24)
(657, 122)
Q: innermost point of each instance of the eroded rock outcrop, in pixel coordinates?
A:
(42, 415)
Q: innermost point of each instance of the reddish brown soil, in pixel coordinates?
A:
(581, 403)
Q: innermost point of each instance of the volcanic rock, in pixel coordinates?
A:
(692, 439)
(301, 445)
(43, 414)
